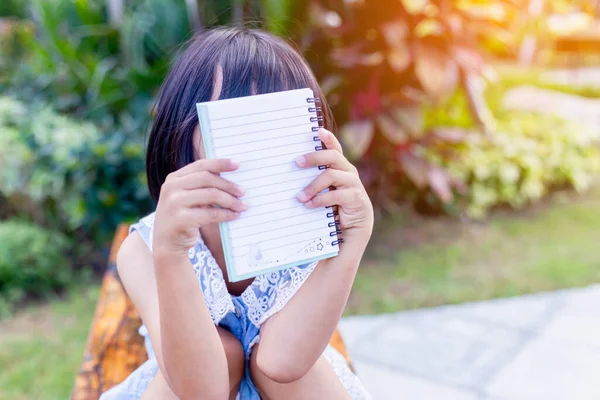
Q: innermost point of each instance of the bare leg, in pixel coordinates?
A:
(159, 388)
(319, 383)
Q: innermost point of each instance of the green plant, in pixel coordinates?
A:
(528, 157)
(67, 175)
(32, 261)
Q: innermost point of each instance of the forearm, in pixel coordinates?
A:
(192, 351)
(298, 334)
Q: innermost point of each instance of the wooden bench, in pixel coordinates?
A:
(114, 348)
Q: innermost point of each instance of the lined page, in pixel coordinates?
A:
(265, 134)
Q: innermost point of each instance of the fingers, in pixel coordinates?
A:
(329, 140)
(216, 165)
(332, 158)
(331, 177)
(202, 216)
(205, 179)
(334, 198)
(209, 197)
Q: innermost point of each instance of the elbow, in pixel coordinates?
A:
(281, 368)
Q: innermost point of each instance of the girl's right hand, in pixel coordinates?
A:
(191, 197)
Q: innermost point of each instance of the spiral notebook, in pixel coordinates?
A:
(265, 134)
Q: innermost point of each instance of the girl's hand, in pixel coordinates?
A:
(191, 197)
(354, 207)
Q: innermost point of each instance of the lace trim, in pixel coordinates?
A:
(265, 296)
(269, 293)
(353, 385)
(209, 275)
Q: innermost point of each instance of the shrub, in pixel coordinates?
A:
(528, 157)
(32, 261)
(66, 174)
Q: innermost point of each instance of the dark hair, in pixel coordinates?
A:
(252, 62)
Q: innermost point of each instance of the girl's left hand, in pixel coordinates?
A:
(354, 207)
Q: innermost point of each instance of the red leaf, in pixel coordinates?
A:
(468, 59)
(415, 168)
(395, 32)
(391, 129)
(450, 135)
(357, 136)
(437, 72)
(399, 58)
(439, 181)
(410, 119)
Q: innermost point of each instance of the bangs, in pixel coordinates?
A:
(260, 63)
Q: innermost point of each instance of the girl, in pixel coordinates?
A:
(265, 338)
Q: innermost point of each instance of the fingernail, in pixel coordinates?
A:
(240, 191)
(244, 207)
(234, 164)
(301, 196)
(309, 204)
(301, 161)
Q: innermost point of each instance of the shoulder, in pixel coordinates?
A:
(136, 249)
(133, 253)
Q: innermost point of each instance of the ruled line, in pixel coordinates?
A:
(292, 234)
(259, 140)
(262, 122)
(262, 112)
(272, 193)
(281, 209)
(270, 184)
(271, 221)
(265, 176)
(263, 130)
(270, 148)
(282, 227)
(288, 244)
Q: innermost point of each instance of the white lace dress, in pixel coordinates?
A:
(241, 315)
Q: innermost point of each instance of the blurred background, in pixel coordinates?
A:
(474, 124)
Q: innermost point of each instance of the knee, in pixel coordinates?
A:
(279, 369)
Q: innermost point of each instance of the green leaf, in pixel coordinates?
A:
(357, 136)
(278, 14)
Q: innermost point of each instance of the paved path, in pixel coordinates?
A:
(537, 347)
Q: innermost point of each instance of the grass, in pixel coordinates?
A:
(41, 348)
(552, 246)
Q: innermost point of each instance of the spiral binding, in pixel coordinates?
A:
(318, 118)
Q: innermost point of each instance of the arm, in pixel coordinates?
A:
(188, 348)
(293, 339)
